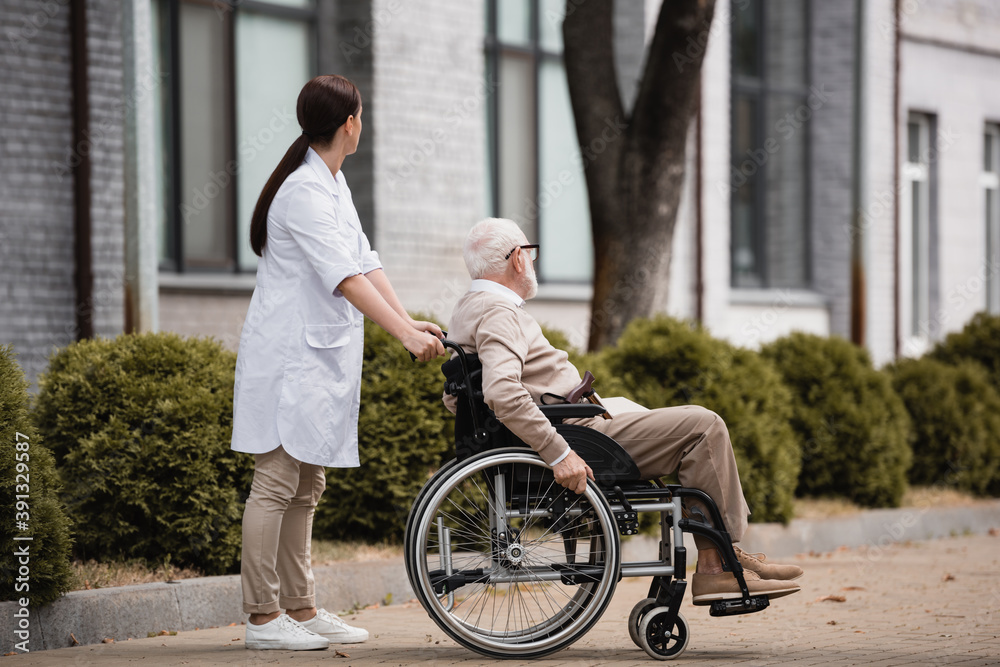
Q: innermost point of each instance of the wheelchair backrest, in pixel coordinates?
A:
(476, 427)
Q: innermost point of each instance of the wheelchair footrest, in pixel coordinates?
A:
(734, 607)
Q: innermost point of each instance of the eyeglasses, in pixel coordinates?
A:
(532, 249)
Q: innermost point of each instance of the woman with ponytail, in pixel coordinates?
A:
(298, 372)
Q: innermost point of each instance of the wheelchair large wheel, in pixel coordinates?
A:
(507, 562)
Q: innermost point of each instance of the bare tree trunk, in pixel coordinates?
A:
(634, 161)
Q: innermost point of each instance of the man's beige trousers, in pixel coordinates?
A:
(277, 529)
(694, 443)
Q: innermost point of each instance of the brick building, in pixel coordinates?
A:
(187, 105)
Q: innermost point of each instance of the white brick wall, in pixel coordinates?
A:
(949, 83)
(429, 142)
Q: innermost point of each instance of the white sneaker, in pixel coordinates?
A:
(331, 627)
(284, 633)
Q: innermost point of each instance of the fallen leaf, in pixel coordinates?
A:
(428, 638)
(236, 639)
(994, 532)
(231, 625)
(948, 577)
(164, 633)
(341, 654)
(853, 588)
(860, 632)
(76, 642)
(107, 640)
(11, 653)
(831, 622)
(831, 598)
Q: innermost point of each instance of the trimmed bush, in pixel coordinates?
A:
(140, 427)
(664, 362)
(404, 434)
(978, 341)
(27, 469)
(852, 425)
(955, 413)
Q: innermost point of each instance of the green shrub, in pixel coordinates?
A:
(978, 341)
(664, 362)
(43, 516)
(141, 427)
(955, 413)
(852, 425)
(404, 434)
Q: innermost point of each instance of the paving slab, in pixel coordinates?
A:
(917, 603)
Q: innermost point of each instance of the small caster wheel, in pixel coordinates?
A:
(638, 611)
(658, 641)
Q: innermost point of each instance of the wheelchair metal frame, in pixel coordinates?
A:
(484, 448)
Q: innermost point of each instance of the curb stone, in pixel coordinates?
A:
(135, 611)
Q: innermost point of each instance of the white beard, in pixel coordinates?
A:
(530, 285)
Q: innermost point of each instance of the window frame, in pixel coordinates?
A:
(989, 180)
(173, 259)
(916, 231)
(537, 55)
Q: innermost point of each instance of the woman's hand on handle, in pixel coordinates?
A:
(422, 345)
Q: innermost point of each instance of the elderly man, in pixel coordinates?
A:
(519, 365)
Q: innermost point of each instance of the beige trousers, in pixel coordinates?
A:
(694, 443)
(277, 531)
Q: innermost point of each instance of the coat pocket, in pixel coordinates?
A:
(326, 358)
(323, 336)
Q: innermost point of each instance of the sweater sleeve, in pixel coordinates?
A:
(503, 347)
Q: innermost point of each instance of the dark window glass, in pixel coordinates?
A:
(772, 106)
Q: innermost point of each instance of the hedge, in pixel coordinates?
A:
(29, 488)
(404, 435)
(978, 341)
(852, 425)
(955, 413)
(140, 427)
(663, 362)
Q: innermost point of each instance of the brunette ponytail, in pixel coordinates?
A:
(324, 105)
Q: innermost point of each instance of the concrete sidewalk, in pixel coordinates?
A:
(918, 603)
(88, 617)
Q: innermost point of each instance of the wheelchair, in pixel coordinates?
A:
(511, 565)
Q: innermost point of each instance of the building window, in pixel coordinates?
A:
(226, 116)
(916, 227)
(533, 157)
(990, 180)
(772, 105)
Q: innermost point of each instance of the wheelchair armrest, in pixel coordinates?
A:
(560, 411)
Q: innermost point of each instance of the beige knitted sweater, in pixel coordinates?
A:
(519, 365)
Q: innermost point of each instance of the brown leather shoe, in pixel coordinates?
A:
(707, 588)
(769, 571)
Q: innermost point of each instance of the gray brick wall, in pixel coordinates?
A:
(832, 62)
(107, 118)
(36, 219)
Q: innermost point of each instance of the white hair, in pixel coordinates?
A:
(487, 243)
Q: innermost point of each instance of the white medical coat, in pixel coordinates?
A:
(298, 371)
